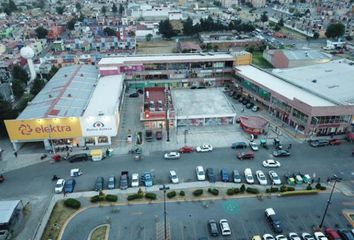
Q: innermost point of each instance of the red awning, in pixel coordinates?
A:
(350, 136)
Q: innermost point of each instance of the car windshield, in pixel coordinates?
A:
(201, 172)
(174, 177)
(58, 185)
(262, 177)
(249, 177)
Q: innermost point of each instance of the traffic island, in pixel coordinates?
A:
(100, 232)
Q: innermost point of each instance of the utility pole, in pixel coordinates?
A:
(329, 201)
(164, 188)
(167, 112)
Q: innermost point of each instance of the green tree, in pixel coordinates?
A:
(281, 22)
(110, 31)
(78, 6)
(316, 35)
(37, 86)
(335, 30)
(148, 37)
(277, 27)
(165, 29)
(121, 9)
(60, 10)
(41, 32)
(188, 28)
(6, 113)
(19, 73)
(104, 10)
(71, 24)
(114, 9)
(18, 88)
(264, 17)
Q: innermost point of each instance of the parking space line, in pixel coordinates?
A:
(182, 230)
(244, 229)
(288, 220)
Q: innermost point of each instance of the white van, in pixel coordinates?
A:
(249, 176)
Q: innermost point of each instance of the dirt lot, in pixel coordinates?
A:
(156, 47)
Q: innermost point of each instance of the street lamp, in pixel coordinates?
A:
(164, 188)
(335, 178)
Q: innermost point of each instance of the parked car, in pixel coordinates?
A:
(281, 153)
(320, 236)
(307, 236)
(345, 234)
(254, 146)
(245, 155)
(249, 105)
(270, 163)
(275, 178)
(261, 177)
(172, 155)
(273, 220)
(134, 95)
(147, 179)
(335, 142)
(78, 157)
(199, 170)
(237, 176)
(186, 149)
(280, 237)
(224, 175)
(210, 175)
(294, 236)
(111, 182)
(225, 227)
(213, 228)
(69, 185)
(158, 135)
(255, 108)
(268, 236)
(204, 148)
(99, 184)
(124, 178)
(174, 177)
(135, 180)
(319, 143)
(249, 176)
(238, 145)
(59, 186)
(331, 234)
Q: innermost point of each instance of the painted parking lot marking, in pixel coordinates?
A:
(231, 207)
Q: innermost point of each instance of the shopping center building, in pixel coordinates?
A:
(316, 100)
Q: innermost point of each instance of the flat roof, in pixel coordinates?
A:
(282, 87)
(65, 95)
(334, 80)
(6, 210)
(201, 103)
(105, 97)
(306, 55)
(165, 58)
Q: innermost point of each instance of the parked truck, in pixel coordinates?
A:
(124, 177)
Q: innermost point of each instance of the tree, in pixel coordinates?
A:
(110, 31)
(19, 73)
(60, 10)
(78, 6)
(316, 35)
(18, 87)
(121, 9)
(71, 24)
(165, 29)
(148, 37)
(9, 7)
(264, 17)
(114, 9)
(335, 30)
(37, 86)
(276, 27)
(6, 113)
(188, 29)
(104, 10)
(41, 32)
(281, 22)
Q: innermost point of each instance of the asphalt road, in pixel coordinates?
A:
(36, 180)
(188, 220)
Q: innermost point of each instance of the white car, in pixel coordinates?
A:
(261, 177)
(174, 177)
(225, 228)
(172, 155)
(307, 236)
(320, 236)
(200, 173)
(281, 237)
(271, 163)
(274, 177)
(135, 180)
(59, 185)
(268, 236)
(294, 236)
(254, 146)
(249, 176)
(204, 148)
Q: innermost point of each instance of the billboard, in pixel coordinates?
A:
(99, 126)
(44, 128)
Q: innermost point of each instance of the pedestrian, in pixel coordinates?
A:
(290, 145)
(242, 109)
(328, 180)
(15, 153)
(64, 192)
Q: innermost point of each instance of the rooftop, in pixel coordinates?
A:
(200, 103)
(334, 79)
(65, 95)
(6, 210)
(282, 87)
(306, 55)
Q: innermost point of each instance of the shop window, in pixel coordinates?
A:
(90, 140)
(102, 139)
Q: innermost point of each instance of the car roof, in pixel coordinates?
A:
(60, 180)
(173, 172)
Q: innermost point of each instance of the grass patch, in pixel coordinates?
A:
(351, 216)
(258, 60)
(99, 233)
(57, 219)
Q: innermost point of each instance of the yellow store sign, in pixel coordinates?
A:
(46, 128)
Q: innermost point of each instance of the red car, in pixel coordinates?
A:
(186, 149)
(335, 142)
(245, 155)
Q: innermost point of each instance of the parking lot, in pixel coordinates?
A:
(188, 220)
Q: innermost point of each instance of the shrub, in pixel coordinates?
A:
(237, 190)
(133, 197)
(151, 196)
(283, 188)
(182, 193)
(295, 193)
(323, 188)
(95, 198)
(243, 188)
(290, 189)
(140, 193)
(272, 190)
(171, 194)
(252, 190)
(230, 191)
(111, 198)
(101, 196)
(318, 186)
(309, 187)
(72, 203)
(213, 191)
(198, 192)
